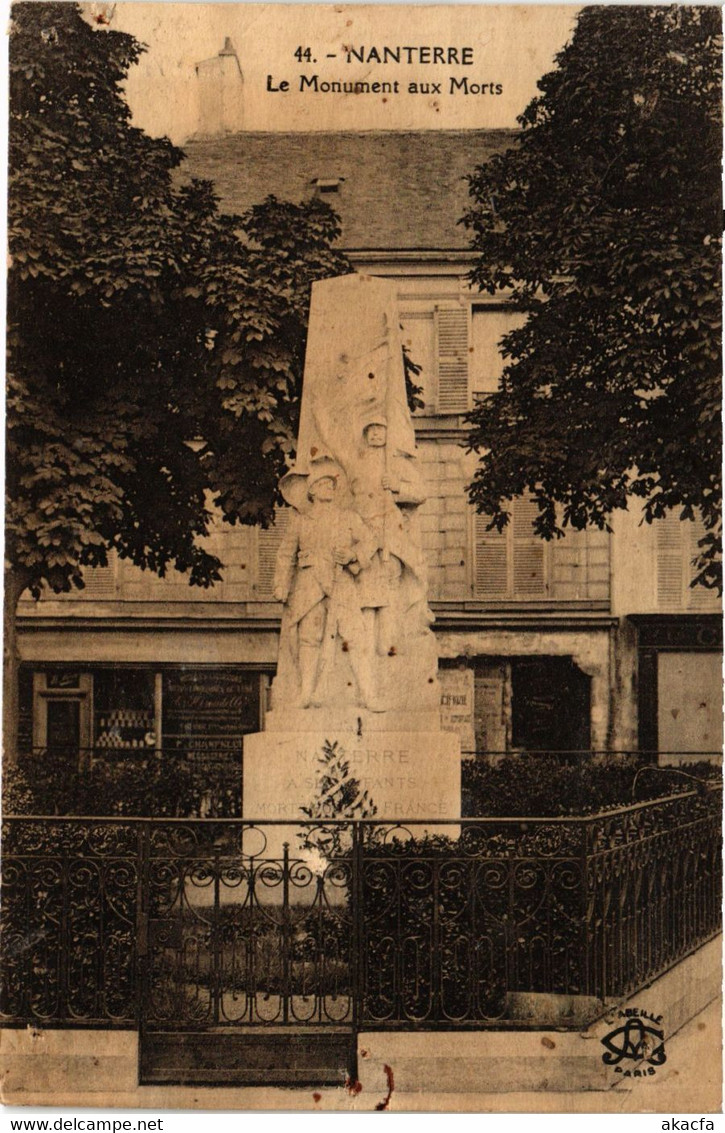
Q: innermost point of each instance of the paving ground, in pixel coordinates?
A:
(689, 1082)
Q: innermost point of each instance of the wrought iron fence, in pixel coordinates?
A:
(239, 932)
(217, 923)
(70, 901)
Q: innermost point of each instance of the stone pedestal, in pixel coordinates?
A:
(408, 772)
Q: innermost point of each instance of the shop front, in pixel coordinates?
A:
(195, 713)
(680, 686)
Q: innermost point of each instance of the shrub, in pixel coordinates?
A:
(150, 787)
(532, 785)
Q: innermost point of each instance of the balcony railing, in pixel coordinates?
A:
(366, 924)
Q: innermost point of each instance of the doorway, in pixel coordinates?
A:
(550, 705)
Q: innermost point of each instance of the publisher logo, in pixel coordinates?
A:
(637, 1046)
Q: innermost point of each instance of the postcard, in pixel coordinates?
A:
(362, 701)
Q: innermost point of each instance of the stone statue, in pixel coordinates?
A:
(356, 623)
(357, 661)
(324, 549)
(386, 491)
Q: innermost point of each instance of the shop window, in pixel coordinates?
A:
(25, 710)
(123, 710)
(208, 711)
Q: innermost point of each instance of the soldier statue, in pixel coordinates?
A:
(386, 491)
(325, 548)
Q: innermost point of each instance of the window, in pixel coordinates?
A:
(452, 348)
(488, 326)
(207, 710)
(123, 709)
(470, 363)
(419, 338)
(512, 563)
(100, 581)
(328, 184)
(516, 565)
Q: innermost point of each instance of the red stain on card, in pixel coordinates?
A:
(391, 1086)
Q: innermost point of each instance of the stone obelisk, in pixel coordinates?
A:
(357, 658)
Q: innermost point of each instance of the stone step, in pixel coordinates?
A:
(250, 1056)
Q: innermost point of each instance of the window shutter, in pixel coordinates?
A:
(669, 562)
(452, 324)
(269, 540)
(491, 559)
(513, 564)
(529, 579)
(100, 582)
(486, 362)
(696, 597)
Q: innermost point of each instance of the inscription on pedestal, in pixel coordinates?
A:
(406, 775)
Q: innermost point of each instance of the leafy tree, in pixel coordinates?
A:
(155, 345)
(604, 221)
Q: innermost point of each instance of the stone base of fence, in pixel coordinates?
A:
(496, 1062)
(483, 1070)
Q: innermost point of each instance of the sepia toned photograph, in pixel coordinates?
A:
(362, 696)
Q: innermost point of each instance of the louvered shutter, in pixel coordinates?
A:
(529, 578)
(669, 562)
(697, 597)
(452, 327)
(100, 582)
(269, 540)
(491, 559)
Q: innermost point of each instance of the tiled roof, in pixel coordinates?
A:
(401, 190)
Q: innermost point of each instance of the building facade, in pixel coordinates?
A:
(588, 643)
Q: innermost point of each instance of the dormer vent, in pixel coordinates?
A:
(328, 184)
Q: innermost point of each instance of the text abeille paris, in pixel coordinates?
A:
(421, 56)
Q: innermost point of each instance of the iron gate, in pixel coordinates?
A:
(248, 954)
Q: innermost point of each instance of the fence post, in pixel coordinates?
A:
(286, 936)
(143, 912)
(357, 942)
(586, 936)
(65, 931)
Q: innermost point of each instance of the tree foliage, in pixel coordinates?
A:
(156, 346)
(604, 222)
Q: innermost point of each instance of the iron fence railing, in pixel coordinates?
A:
(368, 924)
